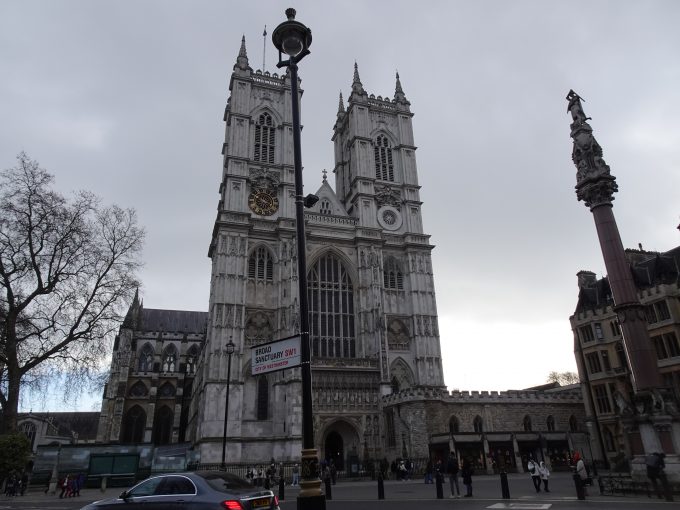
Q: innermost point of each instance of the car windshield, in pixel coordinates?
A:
(225, 482)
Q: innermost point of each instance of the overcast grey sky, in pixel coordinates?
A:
(126, 99)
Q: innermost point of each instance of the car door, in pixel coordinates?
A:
(175, 492)
(142, 494)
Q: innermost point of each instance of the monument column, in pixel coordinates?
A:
(646, 418)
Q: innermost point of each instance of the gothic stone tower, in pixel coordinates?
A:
(371, 293)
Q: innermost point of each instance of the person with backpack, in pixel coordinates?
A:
(532, 467)
(452, 470)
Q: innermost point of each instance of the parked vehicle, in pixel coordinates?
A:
(197, 490)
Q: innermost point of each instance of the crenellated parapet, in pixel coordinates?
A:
(572, 394)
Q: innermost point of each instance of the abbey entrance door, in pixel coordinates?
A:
(334, 450)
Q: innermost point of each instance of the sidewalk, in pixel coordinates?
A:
(484, 487)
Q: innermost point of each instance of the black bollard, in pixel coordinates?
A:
(329, 493)
(580, 489)
(505, 489)
(381, 487)
(282, 490)
(440, 487)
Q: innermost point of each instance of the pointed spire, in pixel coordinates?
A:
(242, 59)
(356, 82)
(341, 105)
(399, 96)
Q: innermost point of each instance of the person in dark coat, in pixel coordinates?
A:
(655, 471)
(467, 472)
(452, 470)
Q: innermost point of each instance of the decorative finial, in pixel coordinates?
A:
(341, 105)
(357, 87)
(242, 59)
(290, 14)
(324, 172)
(399, 96)
(594, 183)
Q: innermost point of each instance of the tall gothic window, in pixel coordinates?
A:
(133, 425)
(550, 423)
(191, 357)
(478, 424)
(264, 139)
(392, 276)
(162, 426)
(260, 265)
(526, 423)
(146, 359)
(331, 309)
(262, 398)
(169, 359)
(384, 168)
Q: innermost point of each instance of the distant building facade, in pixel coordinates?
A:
(147, 396)
(494, 430)
(600, 355)
(51, 429)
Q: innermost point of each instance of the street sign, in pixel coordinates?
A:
(277, 355)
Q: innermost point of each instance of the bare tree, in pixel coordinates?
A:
(564, 378)
(67, 266)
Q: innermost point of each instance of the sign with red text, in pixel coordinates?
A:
(277, 355)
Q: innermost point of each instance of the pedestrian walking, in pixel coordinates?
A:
(429, 469)
(532, 467)
(467, 473)
(452, 470)
(64, 486)
(296, 475)
(655, 471)
(545, 475)
(581, 471)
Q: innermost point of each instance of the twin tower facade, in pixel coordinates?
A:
(372, 303)
(373, 318)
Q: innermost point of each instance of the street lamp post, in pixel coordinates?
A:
(229, 350)
(293, 38)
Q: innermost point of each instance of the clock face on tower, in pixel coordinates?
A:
(263, 202)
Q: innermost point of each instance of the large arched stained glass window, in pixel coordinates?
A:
(331, 309)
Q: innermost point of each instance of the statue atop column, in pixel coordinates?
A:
(594, 183)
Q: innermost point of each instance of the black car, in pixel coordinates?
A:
(198, 490)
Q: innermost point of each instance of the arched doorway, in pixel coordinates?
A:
(334, 450)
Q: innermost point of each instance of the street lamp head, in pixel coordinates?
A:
(292, 37)
(230, 347)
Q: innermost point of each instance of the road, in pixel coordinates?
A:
(362, 495)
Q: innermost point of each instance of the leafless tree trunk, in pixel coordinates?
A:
(67, 267)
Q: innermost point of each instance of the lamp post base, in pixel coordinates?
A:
(310, 496)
